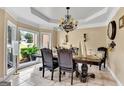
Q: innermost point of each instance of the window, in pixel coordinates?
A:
(45, 40)
(28, 39)
(11, 36)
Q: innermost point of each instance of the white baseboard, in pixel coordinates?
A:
(23, 65)
(114, 76)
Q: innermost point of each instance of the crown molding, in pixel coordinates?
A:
(51, 27)
(49, 20)
(95, 15)
(42, 16)
(39, 14)
(25, 21)
(102, 24)
(11, 13)
(112, 14)
(47, 27)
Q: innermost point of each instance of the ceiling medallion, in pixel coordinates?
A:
(68, 23)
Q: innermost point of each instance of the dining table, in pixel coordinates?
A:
(84, 61)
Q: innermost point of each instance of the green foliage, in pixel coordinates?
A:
(29, 37)
(28, 52)
(24, 52)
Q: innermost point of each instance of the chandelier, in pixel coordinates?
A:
(68, 23)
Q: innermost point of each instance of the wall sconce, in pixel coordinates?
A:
(85, 37)
(111, 45)
(66, 38)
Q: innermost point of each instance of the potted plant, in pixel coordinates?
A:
(25, 56)
(29, 52)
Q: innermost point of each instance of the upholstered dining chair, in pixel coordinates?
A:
(75, 50)
(103, 58)
(48, 61)
(103, 49)
(66, 64)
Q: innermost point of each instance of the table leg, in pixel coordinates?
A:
(84, 73)
(91, 75)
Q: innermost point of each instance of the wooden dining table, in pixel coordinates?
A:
(84, 61)
(90, 59)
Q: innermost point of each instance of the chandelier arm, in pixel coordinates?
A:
(68, 24)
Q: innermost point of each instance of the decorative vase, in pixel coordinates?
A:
(80, 49)
(84, 50)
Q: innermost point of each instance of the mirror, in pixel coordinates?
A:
(111, 32)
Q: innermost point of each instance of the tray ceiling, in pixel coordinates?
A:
(48, 17)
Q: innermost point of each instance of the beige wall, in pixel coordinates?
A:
(22, 25)
(116, 57)
(2, 16)
(96, 37)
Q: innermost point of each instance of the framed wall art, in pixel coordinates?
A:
(121, 22)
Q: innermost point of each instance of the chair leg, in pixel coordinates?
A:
(99, 66)
(76, 72)
(72, 78)
(52, 75)
(104, 64)
(59, 75)
(43, 72)
(63, 73)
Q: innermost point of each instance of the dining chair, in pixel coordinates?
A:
(48, 61)
(103, 49)
(103, 59)
(75, 50)
(66, 64)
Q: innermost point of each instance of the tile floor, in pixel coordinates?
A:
(31, 76)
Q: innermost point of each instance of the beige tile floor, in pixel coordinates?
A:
(31, 76)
